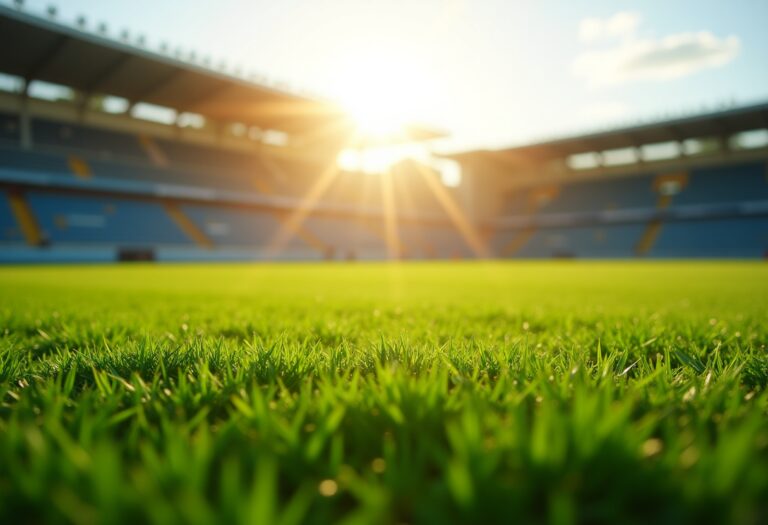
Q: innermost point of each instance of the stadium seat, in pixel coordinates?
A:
(347, 238)
(728, 184)
(80, 219)
(93, 154)
(732, 238)
(604, 194)
(433, 241)
(9, 230)
(74, 137)
(236, 227)
(34, 161)
(10, 132)
(614, 241)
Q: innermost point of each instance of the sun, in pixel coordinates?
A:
(382, 92)
(378, 113)
(378, 122)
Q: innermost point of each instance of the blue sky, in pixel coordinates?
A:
(491, 72)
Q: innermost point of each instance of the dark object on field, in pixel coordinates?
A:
(135, 254)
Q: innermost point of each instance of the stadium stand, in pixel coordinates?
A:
(9, 128)
(707, 198)
(737, 237)
(616, 241)
(240, 227)
(603, 194)
(441, 242)
(85, 220)
(64, 147)
(71, 137)
(29, 161)
(705, 187)
(9, 230)
(723, 184)
(348, 238)
(79, 183)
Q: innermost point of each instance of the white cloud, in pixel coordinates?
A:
(621, 24)
(635, 58)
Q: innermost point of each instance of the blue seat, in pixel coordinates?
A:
(726, 184)
(347, 237)
(186, 154)
(604, 194)
(237, 226)
(80, 219)
(741, 237)
(9, 230)
(614, 241)
(50, 164)
(434, 241)
(517, 202)
(10, 132)
(84, 138)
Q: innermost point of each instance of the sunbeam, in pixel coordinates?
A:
(455, 213)
(292, 223)
(391, 234)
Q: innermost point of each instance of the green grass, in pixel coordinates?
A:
(373, 393)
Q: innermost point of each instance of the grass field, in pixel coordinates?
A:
(372, 393)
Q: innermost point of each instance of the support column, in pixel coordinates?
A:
(25, 120)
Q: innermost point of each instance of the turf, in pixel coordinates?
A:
(372, 393)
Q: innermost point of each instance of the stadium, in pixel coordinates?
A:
(568, 330)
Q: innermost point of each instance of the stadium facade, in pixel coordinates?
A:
(243, 171)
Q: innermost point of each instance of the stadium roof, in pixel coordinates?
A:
(45, 50)
(716, 124)
(52, 52)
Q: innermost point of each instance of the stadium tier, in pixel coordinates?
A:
(719, 198)
(85, 193)
(77, 188)
(692, 187)
(87, 219)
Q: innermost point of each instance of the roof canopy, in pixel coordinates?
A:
(718, 124)
(40, 49)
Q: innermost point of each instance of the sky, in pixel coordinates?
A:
(492, 73)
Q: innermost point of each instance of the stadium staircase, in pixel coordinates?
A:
(187, 226)
(667, 186)
(79, 167)
(534, 200)
(153, 150)
(24, 218)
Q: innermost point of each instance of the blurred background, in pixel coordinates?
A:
(340, 130)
